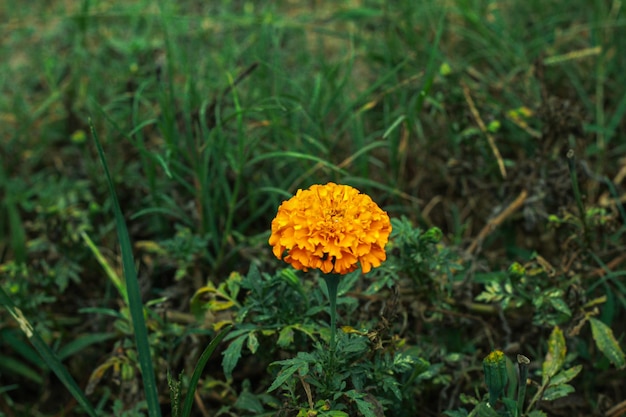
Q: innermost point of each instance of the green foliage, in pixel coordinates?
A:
(137, 410)
(214, 112)
(282, 311)
(47, 355)
(529, 285)
(184, 249)
(60, 211)
(418, 255)
(554, 382)
(356, 378)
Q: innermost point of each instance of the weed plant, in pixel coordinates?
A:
(147, 145)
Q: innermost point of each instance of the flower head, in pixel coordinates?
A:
(330, 227)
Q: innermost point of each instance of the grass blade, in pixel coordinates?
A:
(281, 155)
(132, 290)
(47, 354)
(204, 358)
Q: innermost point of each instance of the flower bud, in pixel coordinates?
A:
(496, 377)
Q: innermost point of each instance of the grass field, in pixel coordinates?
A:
(493, 133)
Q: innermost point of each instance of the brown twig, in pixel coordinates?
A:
(307, 390)
(497, 221)
(200, 404)
(615, 262)
(617, 410)
(483, 128)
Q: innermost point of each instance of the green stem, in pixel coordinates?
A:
(110, 272)
(332, 282)
(522, 362)
(571, 162)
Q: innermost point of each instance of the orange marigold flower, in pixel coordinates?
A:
(330, 227)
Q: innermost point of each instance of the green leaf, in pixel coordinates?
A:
(358, 13)
(17, 233)
(537, 413)
(560, 305)
(285, 374)
(10, 365)
(249, 402)
(82, 342)
(557, 391)
(253, 343)
(510, 404)
(484, 410)
(232, 355)
(366, 408)
(253, 274)
(512, 372)
(21, 347)
(456, 413)
(606, 342)
(556, 355)
(285, 337)
(566, 375)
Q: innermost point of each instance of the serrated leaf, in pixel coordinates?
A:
(566, 375)
(556, 355)
(366, 408)
(253, 273)
(284, 375)
(606, 342)
(249, 402)
(232, 355)
(558, 391)
(390, 384)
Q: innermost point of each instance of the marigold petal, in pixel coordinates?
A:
(330, 227)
